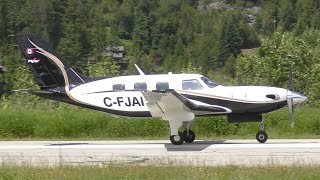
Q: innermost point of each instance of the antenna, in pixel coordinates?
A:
(139, 70)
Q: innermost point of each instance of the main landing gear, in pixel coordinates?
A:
(262, 136)
(187, 136)
(183, 137)
(177, 139)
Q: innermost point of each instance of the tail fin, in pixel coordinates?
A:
(47, 66)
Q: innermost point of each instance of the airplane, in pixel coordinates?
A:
(176, 98)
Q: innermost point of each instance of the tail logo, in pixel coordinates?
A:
(34, 60)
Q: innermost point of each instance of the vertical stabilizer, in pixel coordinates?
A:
(47, 66)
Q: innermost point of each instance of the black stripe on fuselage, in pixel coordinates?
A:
(238, 107)
(194, 107)
(185, 101)
(62, 97)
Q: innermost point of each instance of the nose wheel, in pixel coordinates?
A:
(261, 136)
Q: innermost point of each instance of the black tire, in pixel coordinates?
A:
(175, 141)
(189, 138)
(262, 136)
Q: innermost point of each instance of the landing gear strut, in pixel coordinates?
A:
(262, 136)
(189, 136)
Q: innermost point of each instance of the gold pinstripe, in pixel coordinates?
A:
(223, 98)
(61, 67)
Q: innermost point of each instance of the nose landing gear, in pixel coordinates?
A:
(262, 136)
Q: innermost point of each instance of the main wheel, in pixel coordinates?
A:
(262, 136)
(177, 139)
(189, 138)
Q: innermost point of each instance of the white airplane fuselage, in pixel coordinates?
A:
(122, 96)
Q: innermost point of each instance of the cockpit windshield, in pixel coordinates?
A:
(208, 82)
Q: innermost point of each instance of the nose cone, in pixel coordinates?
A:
(297, 97)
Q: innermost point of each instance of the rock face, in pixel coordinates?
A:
(214, 5)
(249, 14)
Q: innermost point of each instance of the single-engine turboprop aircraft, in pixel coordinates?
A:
(177, 98)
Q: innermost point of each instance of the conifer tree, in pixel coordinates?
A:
(74, 41)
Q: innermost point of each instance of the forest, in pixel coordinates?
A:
(235, 42)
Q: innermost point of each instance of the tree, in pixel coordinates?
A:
(286, 15)
(305, 10)
(230, 39)
(18, 77)
(271, 65)
(56, 9)
(266, 22)
(141, 35)
(189, 68)
(125, 18)
(74, 44)
(105, 67)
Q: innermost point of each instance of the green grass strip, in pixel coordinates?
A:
(77, 123)
(166, 172)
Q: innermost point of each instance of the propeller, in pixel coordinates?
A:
(290, 100)
(291, 78)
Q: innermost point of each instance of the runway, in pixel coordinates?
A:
(157, 152)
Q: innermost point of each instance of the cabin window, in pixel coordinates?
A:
(140, 86)
(191, 84)
(162, 85)
(208, 82)
(118, 87)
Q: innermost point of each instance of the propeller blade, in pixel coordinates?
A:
(291, 109)
(290, 88)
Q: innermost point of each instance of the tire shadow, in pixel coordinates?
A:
(195, 146)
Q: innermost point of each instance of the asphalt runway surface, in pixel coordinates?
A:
(158, 152)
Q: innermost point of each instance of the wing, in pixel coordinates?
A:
(166, 102)
(170, 103)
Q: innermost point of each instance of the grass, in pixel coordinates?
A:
(83, 124)
(165, 172)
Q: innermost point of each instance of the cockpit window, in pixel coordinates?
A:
(191, 84)
(208, 82)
